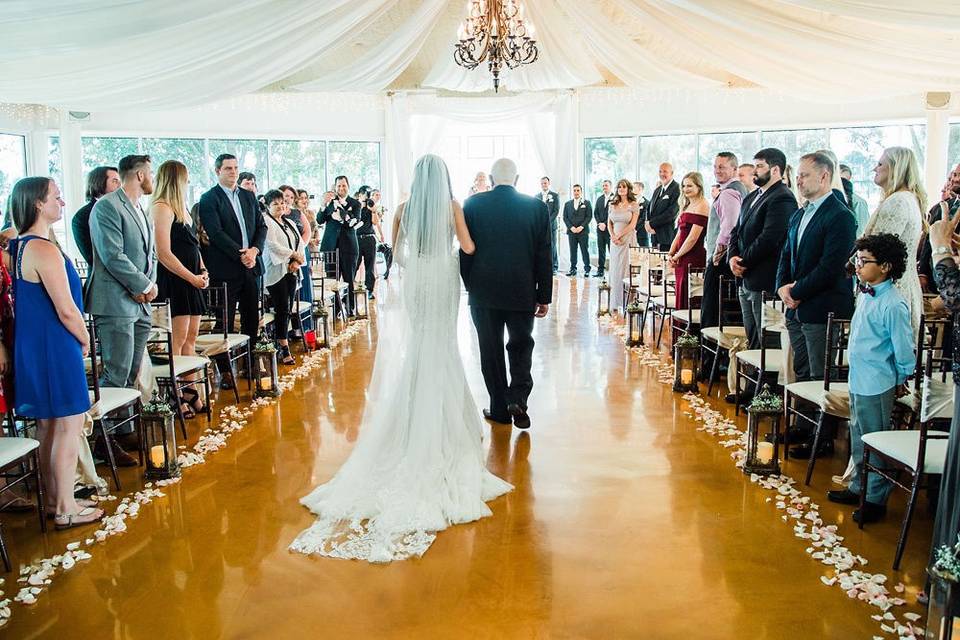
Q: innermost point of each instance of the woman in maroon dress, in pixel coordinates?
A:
(687, 248)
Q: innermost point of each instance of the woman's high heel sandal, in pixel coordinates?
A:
(285, 357)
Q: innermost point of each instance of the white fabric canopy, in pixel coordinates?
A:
(101, 55)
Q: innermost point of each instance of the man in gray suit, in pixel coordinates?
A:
(122, 279)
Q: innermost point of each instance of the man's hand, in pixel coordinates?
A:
(785, 294)
(943, 232)
(151, 295)
(646, 225)
(902, 390)
(736, 266)
(248, 257)
(602, 226)
(718, 253)
(541, 311)
(328, 198)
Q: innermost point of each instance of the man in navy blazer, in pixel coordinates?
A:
(811, 278)
(236, 230)
(509, 279)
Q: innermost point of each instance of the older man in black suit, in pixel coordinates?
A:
(510, 281)
(664, 206)
(236, 229)
(341, 219)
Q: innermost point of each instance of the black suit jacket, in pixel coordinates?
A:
(662, 213)
(759, 235)
(512, 268)
(818, 263)
(340, 234)
(600, 212)
(81, 231)
(644, 206)
(222, 255)
(553, 207)
(579, 217)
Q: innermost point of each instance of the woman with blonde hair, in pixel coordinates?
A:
(901, 213)
(181, 274)
(687, 249)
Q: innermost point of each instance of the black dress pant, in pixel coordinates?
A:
(368, 255)
(348, 272)
(490, 324)
(581, 242)
(281, 297)
(710, 305)
(603, 243)
(243, 290)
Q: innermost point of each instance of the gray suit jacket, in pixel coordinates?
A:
(124, 258)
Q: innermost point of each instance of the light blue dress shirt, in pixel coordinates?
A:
(808, 212)
(881, 342)
(234, 198)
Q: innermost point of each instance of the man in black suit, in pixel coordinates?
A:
(576, 217)
(603, 234)
(509, 279)
(100, 182)
(664, 205)
(552, 200)
(811, 276)
(236, 231)
(643, 237)
(755, 241)
(341, 218)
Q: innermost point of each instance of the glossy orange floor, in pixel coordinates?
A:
(625, 523)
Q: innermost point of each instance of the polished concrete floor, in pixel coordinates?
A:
(626, 522)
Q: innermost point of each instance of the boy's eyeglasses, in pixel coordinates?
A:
(862, 261)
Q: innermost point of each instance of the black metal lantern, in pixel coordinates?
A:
(944, 592)
(686, 364)
(159, 440)
(634, 324)
(360, 310)
(265, 368)
(763, 418)
(321, 327)
(603, 299)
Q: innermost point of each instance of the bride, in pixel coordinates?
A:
(417, 467)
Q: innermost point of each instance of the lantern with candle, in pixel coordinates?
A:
(159, 440)
(686, 363)
(763, 418)
(634, 324)
(603, 299)
(265, 368)
(321, 322)
(360, 302)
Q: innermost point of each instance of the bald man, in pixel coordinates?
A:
(664, 205)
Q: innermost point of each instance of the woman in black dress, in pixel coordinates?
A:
(180, 274)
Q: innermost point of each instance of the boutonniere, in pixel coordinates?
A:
(549, 198)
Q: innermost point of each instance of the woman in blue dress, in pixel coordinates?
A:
(50, 342)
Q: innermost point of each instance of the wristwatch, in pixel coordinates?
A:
(941, 251)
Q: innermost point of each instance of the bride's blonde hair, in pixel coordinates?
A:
(904, 175)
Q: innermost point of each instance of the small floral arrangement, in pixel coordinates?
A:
(156, 407)
(264, 344)
(946, 565)
(766, 402)
(635, 307)
(604, 284)
(687, 341)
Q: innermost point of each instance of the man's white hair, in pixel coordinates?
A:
(504, 171)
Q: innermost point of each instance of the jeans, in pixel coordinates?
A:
(751, 304)
(867, 415)
(809, 342)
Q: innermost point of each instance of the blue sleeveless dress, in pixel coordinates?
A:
(49, 380)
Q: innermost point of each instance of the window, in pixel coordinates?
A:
(608, 159)
(54, 163)
(861, 147)
(300, 163)
(953, 155)
(679, 150)
(794, 143)
(102, 151)
(251, 156)
(462, 153)
(13, 165)
(741, 144)
(359, 161)
(189, 151)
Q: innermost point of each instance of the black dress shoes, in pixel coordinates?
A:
(843, 497)
(571, 273)
(521, 419)
(489, 416)
(803, 451)
(871, 512)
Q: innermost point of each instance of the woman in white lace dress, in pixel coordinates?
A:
(901, 213)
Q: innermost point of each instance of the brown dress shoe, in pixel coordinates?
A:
(121, 457)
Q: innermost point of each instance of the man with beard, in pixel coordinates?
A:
(341, 218)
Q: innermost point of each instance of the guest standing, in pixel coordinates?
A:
(687, 249)
(341, 217)
(232, 221)
(600, 212)
(664, 205)
(901, 213)
(311, 245)
(298, 217)
(480, 184)
(576, 218)
(622, 216)
(367, 243)
(100, 182)
(723, 218)
(643, 238)
(859, 206)
(552, 200)
(282, 262)
(745, 174)
(181, 275)
(50, 342)
(948, 206)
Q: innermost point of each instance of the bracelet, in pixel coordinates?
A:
(940, 251)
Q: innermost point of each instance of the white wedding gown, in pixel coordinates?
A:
(418, 465)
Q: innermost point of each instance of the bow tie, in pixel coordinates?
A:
(866, 288)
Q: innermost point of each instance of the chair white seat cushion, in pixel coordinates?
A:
(12, 449)
(111, 399)
(181, 365)
(686, 315)
(772, 364)
(661, 302)
(266, 318)
(304, 307)
(904, 447)
(634, 284)
(728, 338)
(650, 292)
(212, 344)
(835, 402)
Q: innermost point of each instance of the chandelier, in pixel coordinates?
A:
(495, 31)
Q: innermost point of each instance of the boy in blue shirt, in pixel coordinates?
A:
(882, 357)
